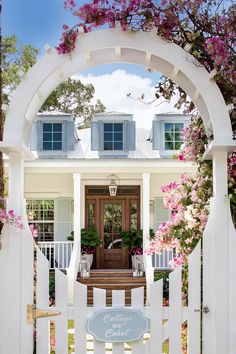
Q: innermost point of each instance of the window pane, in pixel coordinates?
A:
(47, 146)
(169, 127)
(43, 210)
(47, 136)
(118, 127)
(108, 136)
(57, 137)
(57, 146)
(178, 136)
(47, 127)
(108, 145)
(178, 144)
(108, 127)
(118, 146)
(179, 126)
(57, 127)
(168, 136)
(169, 146)
(118, 137)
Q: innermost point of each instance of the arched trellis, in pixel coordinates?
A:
(110, 46)
(147, 49)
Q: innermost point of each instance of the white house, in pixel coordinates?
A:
(67, 185)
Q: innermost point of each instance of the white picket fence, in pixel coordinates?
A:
(58, 253)
(165, 321)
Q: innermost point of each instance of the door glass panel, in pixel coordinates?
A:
(133, 215)
(91, 215)
(112, 225)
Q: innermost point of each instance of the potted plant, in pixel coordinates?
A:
(89, 241)
(133, 239)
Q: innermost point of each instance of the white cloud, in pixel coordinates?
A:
(112, 90)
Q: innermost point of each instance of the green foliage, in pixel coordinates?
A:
(52, 286)
(132, 238)
(74, 97)
(165, 277)
(15, 57)
(89, 237)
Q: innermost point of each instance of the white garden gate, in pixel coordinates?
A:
(165, 322)
(219, 239)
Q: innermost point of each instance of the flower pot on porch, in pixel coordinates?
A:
(87, 258)
(137, 265)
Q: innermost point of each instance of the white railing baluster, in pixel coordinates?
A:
(63, 256)
(58, 253)
(161, 261)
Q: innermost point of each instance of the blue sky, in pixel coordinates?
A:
(38, 22)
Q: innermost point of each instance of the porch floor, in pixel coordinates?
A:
(112, 279)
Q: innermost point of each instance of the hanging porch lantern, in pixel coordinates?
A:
(113, 185)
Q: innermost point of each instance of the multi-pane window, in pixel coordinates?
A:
(52, 136)
(42, 215)
(113, 136)
(173, 137)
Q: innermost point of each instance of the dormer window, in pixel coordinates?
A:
(113, 136)
(173, 138)
(166, 133)
(52, 136)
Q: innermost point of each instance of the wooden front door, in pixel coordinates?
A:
(109, 216)
(112, 222)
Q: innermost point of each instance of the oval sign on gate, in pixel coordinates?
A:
(117, 325)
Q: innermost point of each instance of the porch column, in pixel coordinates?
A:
(16, 274)
(219, 266)
(75, 257)
(145, 227)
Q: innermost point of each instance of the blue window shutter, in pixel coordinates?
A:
(161, 213)
(33, 143)
(40, 135)
(69, 138)
(95, 136)
(129, 136)
(63, 214)
(158, 135)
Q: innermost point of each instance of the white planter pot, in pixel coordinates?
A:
(135, 260)
(87, 258)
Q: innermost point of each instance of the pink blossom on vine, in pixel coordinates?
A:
(9, 217)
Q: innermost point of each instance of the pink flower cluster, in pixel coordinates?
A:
(217, 49)
(68, 40)
(9, 217)
(232, 165)
(177, 261)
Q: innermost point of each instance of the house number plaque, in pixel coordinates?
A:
(117, 325)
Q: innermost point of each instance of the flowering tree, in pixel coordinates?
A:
(206, 29)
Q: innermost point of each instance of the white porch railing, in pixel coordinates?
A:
(58, 253)
(161, 262)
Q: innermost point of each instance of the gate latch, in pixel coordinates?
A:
(33, 313)
(205, 309)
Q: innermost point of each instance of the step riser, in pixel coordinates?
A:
(112, 280)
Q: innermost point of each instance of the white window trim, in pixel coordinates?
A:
(167, 119)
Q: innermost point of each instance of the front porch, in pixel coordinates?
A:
(79, 198)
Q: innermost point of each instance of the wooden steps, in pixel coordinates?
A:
(115, 279)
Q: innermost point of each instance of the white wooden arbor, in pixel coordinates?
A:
(219, 286)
